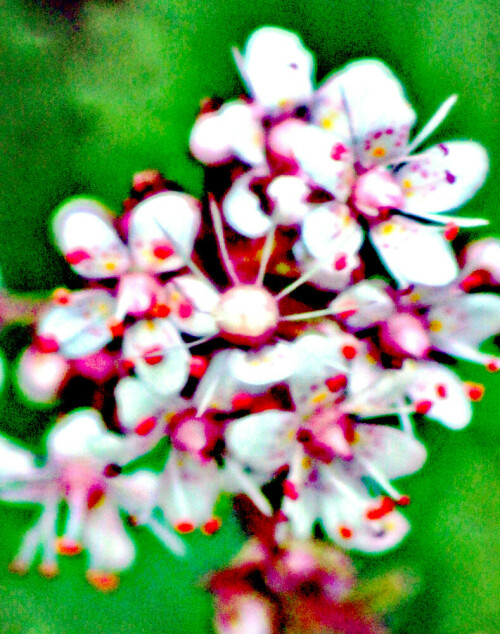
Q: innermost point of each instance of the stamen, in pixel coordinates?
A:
(219, 232)
(267, 250)
(162, 531)
(379, 477)
(248, 487)
(313, 314)
(404, 419)
(433, 122)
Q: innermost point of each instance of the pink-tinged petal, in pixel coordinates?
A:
(442, 388)
(443, 177)
(466, 320)
(161, 227)
(160, 357)
(413, 252)
(136, 402)
(136, 493)
(233, 131)
(80, 327)
(289, 195)
(82, 434)
(330, 274)
(262, 441)
(39, 374)
(364, 304)
(109, 547)
(374, 103)
(327, 160)
(277, 69)
(84, 232)
(391, 451)
(138, 294)
(242, 208)
(330, 232)
(248, 613)
(16, 463)
(188, 491)
(267, 366)
(192, 303)
(481, 256)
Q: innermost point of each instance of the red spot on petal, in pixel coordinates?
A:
(242, 400)
(336, 383)
(345, 314)
(340, 262)
(450, 178)
(61, 296)
(444, 149)
(290, 490)
(146, 426)
(345, 532)
(184, 527)
(185, 310)
(349, 352)
(198, 366)
(212, 526)
(153, 356)
(423, 407)
(116, 328)
(163, 251)
(77, 256)
(338, 151)
(47, 344)
(441, 391)
(451, 231)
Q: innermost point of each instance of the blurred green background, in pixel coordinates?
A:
(85, 105)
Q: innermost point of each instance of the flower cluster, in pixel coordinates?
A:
(259, 334)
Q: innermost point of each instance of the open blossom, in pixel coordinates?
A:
(81, 469)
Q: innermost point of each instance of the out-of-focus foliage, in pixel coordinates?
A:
(82, 109)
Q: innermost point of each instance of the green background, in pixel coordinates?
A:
(81, 110)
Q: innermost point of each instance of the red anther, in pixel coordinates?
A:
(208, 105)
(126, 366)
(163, 251)
(386, 506)
(423, 407)
(340, 262)
(404, 500)
(146, 426)
(475, 391)
(336, 383)
(290, 490)
(451, 231)
(184, 527)
(280, 517)
(345, 532)
(441, 390)
(160, 310)
(94, 496)
(111, 470)
(349, 352)
(116, 328)
(345, 314)
(153, 356)
(303, 435)
(47, 344)
(61, 296)
(185, 310)
(492, 366)
(475, 279)
(198, 366)
(131, 520)
(242, 400)
(77, 256)
(384, 213)
(68, 547)
(263, 403)
(212, 526)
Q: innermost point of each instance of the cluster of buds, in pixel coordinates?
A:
(259, 334)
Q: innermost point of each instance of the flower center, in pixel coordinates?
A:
(247, 314)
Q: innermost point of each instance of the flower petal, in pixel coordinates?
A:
(80, 327)
(370, 96)
(413, 252)
(84, 233)
(192, 303)
(277, 69)
(159, 355)
(135, 401)
(330, 232)
(163, 228)
(40, 374)
(15, 462)
(262, 441)
(364, 304)
(443, 388)
(242, 208)
(443, 177)
(269, 365)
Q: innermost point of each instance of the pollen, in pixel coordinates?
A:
(306, 462)
(435, 326)
(345, 532)
(282, 268)
(475, 391)
(103, 581)
(319, 398)
(110, 266)
(388, 229)
(379, 152)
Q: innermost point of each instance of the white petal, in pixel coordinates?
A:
(302, 512)
(85, 234)
(467, 319)
(162, 227)
(15, 462)
(277, 68)
(39, 374)
(443, 388)
(483, 255)
(109, 546)
(413, 252)
(135, 401)
(136, 492)
(262, 441)
(330, 232)
(289, 194)
(159, 355)
(444, 177)
(242, 209)
(269, 365)
(370, 301)
(80, 327)
(374, 102)
(192, 303)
